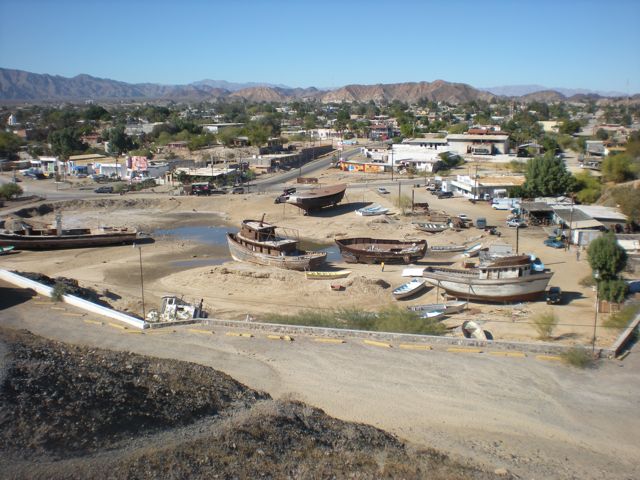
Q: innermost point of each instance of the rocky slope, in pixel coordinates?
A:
(73, 412)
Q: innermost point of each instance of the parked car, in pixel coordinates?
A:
(552, 242)
(382, 190)
(481, 223)
(104, 189)
(554, 295)
(445, 195)
(516, 223)
(237, 190)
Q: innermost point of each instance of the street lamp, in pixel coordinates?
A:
(144, 313)
(596, 277)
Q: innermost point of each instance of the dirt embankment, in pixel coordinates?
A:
(75, 412)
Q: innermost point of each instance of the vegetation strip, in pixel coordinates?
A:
(328, 340)
(508, 354)
(199, 330)
(550, 358)
(408, 346)
(93, 322)
(377, 344)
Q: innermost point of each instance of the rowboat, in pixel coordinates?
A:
(435, 315)
(431, 227)
(447, 248)
(473, 250)
(372, 210)
(4, 250)
(327, 275)
(448, 308)
(410, 288)
(471, 329)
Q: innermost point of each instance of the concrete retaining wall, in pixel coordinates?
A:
(47, 291)
(542, 348)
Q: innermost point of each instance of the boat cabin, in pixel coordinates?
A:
(263, 235)
(510, 267)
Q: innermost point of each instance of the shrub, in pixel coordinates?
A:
(613, 290)
(403, 202)
(622, 318)
(10, 190)
(587, 281)
(578, 357)
(59, 289)
(544, 324)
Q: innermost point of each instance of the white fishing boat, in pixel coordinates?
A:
(434, 315)
(471, 329)
(473, 250)
(410, 288)
(372, 210)
(447, 248)
(448, 308)
(506, 279)
(431, 227)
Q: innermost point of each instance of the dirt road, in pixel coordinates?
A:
(537, 419)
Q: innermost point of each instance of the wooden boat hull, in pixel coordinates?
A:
(315, 199)
(52, 242)
(328, 275)
(469, 286)
(371, 250)
(409, 289)
(305, 261)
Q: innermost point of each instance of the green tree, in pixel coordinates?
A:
(629, 200)
(96, 112)
(570, 127)
(602, 134)
(9, 144)
(10, 190)
(547, 176)
(587, 187)
(119, 142)
(617, 168)
(607, 257)
(66, 142)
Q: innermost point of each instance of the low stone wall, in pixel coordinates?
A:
(538, 348)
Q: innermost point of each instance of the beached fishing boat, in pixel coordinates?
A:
(433, 315)
(471, 329)
(506, 279)
(473, 250)
(5, 250)
(314, 199)
(430, 227)
(410, 288)
(26, 237)
(328, 275)
(257, 242)
(372, 210)
(447, 248)
(448, 308)
(373, 250)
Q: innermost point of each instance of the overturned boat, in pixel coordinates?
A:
(375, 250)
(314, 199)
(23, 236)
(507, 279)
(257, 242)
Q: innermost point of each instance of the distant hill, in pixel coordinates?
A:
(18, 85)
(523, 90)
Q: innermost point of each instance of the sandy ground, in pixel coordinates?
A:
(535, 418)
(538, 419)
(232, 290)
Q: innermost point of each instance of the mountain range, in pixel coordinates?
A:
(19, 85)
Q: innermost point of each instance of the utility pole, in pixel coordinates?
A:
(392, 162)
(144, 313)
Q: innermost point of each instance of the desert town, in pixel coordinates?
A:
(458, 257)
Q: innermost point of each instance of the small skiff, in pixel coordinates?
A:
(471, 329)
(4, 250)
(327, 275)
(372, 210)
(431, 227)
(473, 250)
(447, 248)
(410, 288)
(448, 308)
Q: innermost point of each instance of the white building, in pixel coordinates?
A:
(481, 187)
(422, 153)
(479, 144)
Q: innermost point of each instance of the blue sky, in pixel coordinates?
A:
(561, 43)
